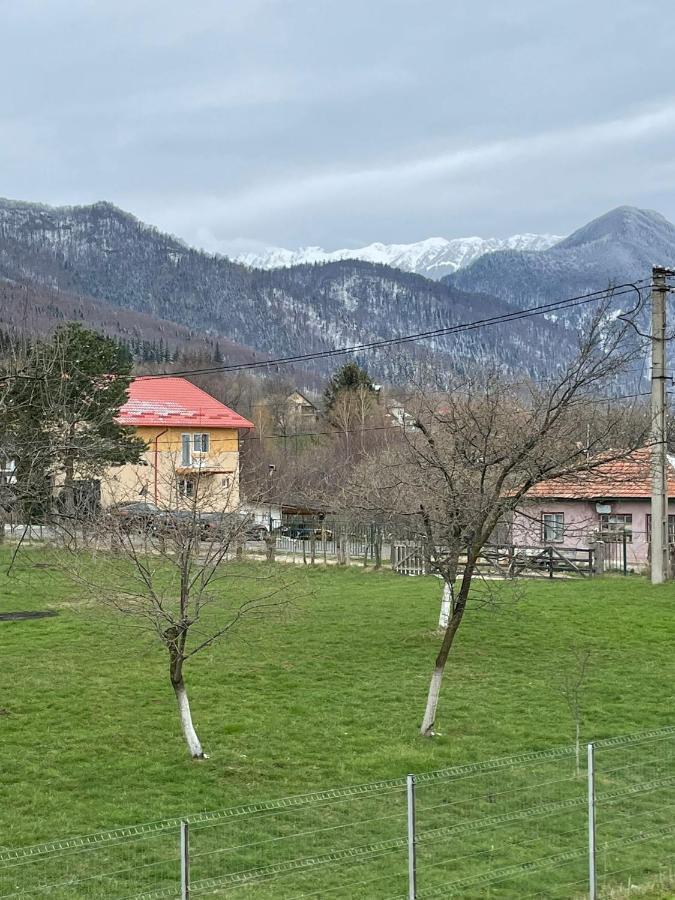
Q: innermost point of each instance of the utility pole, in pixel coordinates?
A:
(659, 536)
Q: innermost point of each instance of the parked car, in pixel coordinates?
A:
(252, 530)
(136, 514)
(304, 532)
(171, 520)
(256, 531)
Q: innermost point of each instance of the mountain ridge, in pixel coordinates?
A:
(617, 247)
(105, 253)
(433, 257)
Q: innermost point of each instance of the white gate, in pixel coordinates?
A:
(407, 559)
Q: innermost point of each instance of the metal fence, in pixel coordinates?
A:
(553, 824)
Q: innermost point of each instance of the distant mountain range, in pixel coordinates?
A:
(102, 253)
(102, 266)
(433, 258)
(619, 246)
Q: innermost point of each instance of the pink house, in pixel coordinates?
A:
(609, 503)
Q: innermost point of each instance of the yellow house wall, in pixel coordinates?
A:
(154, 479)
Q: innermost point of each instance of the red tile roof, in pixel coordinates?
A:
(629, 477)
(175, 401)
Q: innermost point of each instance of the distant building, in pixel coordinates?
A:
(399, 415)
(285, 416)
(302, 410)
(192, 443)
(611, 503)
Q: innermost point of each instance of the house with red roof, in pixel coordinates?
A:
(192, 443)
(610, 502)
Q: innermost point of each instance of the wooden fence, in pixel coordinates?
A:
(507, 561)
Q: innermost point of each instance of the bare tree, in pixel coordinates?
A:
(572, 687)
(478, 448)
(175, 573)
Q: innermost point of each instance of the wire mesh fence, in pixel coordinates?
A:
(516, 826)
(635, 818)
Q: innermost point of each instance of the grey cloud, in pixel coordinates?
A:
(323, 122)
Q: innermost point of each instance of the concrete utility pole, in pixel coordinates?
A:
(659, 536)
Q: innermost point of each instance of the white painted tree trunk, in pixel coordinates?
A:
(446, 605)
(189, 733)
(432, 702)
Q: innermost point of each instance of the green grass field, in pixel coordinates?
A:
(329, 695)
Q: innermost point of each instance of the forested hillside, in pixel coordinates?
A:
(102, 252)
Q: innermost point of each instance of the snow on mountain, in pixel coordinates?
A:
(105, 254)
(619, 246)
(433, 258)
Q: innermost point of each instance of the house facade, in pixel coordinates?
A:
(611, 503)
(288, 415)
(192, 448)
(303, 412)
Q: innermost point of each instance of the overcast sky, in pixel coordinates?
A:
(340, 122)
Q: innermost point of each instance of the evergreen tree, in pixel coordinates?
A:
(61, 419)
(349, 377)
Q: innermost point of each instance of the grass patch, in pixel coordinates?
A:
(331, 694)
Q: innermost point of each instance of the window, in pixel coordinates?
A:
(7, 471)
(613, 526)
(186, 450)
(671, 528)
(200, 443)
(553, 527)
(186, 487)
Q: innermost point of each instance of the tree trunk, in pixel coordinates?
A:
(377, 550)
(446, 607)
(427, 727)
(432, 702)
(69, 488)
(193, 743)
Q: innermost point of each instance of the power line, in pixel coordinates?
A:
(515, 316)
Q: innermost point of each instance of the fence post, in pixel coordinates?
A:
(625, 554)
(599, 557)
(550, 562)
(184, 862)
(592, 881)
(412, 852)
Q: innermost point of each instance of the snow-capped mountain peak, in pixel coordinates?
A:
(433, 257)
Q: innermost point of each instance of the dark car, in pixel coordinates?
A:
(305, 532)
(256, 531)
(223, 525)
(136, 514)
(171, 520)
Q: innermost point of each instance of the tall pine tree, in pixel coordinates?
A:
(61, 414)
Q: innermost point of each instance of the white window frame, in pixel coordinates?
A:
(186, 487)
(186, 449)
(201, 441)
(553, 523)
(612, 527)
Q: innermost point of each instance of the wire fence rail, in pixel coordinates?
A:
(546, 823)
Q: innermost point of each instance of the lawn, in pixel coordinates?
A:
(330, 694)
